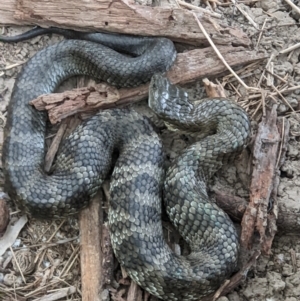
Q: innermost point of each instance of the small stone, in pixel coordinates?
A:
(256, 288)
(268, 4)
(293, 285)
(287, 270)
(233, 296)
(282, 108)
(292, 151)
(222, 299)
(9, 279)
(276, 284)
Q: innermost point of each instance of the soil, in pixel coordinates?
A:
(53, 246)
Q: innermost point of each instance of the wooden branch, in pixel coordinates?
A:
(188, 67)
(4, 216)
(235, 280)
(90, 225)
(264, 157)
(119, 16)
(288, 218)
(54, 146)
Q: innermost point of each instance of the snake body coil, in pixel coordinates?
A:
(84, 160)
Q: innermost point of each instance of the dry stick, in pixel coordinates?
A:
(14, 65)
(278, 77)
(286, 50)
(235, 280)
(134, 292)
(218, 293)
(263, 102)
(263, 73)
(17, 263)
(90, 224)
(283, 98)
(262, 183)
(65, 269)
(54, 146)
(220, 55)
(61, 293)
(245, 14)
(202, 10)
(283, 129)
(4, 216)
(261, 32)
(294, 6)
(291, 89)
(281, 142)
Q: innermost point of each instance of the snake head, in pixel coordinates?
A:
(166, 99)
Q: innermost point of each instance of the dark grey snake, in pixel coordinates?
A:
(84, 160)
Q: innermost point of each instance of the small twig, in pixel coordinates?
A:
(17, 263)
(67, 266)
(291, 48)
(270, 78)
(54, 146)
(61, 293)
(240, 2)
(287, 90)
(220, 55)
(283, 98)
(261, 32)
(202, 10)
(294, 260)
(48, 245)
(13, 65)
(294, 6)
(263, 102)
(278, 77)
(281, 144)
(263, 73)
(245, 14)
(218, 293)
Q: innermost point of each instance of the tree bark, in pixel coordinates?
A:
(120, 16)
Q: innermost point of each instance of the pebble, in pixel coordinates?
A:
(222, 299)
(276, 284)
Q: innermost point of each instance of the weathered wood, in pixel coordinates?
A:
(7, 11)
(265, 154)
(90, 224)
(54, 146)
(135, 293)
(189, 66)
(119, 16)
(4, 216)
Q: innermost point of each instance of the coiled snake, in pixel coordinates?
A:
(84, 160)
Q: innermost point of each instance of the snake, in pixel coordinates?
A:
(138, 181)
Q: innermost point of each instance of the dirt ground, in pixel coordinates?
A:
(52, 247)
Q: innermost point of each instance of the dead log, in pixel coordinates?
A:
(189, 66)
(120, 16)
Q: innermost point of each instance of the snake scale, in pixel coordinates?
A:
(138, 180)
